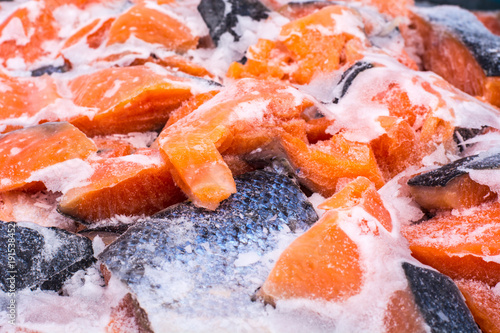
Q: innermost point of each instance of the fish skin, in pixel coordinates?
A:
(485, 162)
(49, 70)
(218, 22)
(348, 77)
(265, 203)
(35, 265)
(445, 174)
(482, 43)
(462, 134)
(439, 300)
(470, 5)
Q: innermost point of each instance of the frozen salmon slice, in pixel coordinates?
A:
(393, 8)
(177, 62)
(396, 149)
(24, 33)
(112, 147)
(28, 150)
(82, 4)
(94, 33)
(491, 20)
(189, 106)
(152, 26)
(298, 54)
(322, 165)
(403, 315)
(324, 263)
(462, 246)
(128, 99)
(450, 186)
(484, 304)
(321, 264)
(137, 184)
(455, 39)
(432, 290)
(24, 98)
(360, 192)
(296, 10)
(193, 145)
(128, 316)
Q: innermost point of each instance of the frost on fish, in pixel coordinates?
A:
(461, 136)
(455, 185)
(443, 175)
(347, 77)
(222, 16)
(50, 69)
(193, 262)
(44, 257)
(439, 300)
(484, 45)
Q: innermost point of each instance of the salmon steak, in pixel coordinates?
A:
(249, 166)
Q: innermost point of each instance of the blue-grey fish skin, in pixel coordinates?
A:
(49, 70)
(442, 176)
(192, 246)
(42, 256)
(482, 43)
(439, 301)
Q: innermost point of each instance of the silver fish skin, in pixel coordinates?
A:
(189, 262)
(42, 257)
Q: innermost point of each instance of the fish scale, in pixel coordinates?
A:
(188, 245)
(44, 257)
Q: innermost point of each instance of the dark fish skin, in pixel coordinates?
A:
(213, 13)
(485, 163)
(44, 257)
(482, 43)
(305, 4)
(49, 70)
(445, 174)
(471, 5)
(462, 134)
(348, 77)
(202, 245)
(439, 301)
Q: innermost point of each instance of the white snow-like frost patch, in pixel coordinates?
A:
(14, 151)
(114, 89)
(141, 159)
(62, 177)
(247, 259)
(316, 199)
(496, 289)
(14, 30)
(51, 242)
(60, 110)
(86, 306)
(252, 110)
(348, 23)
